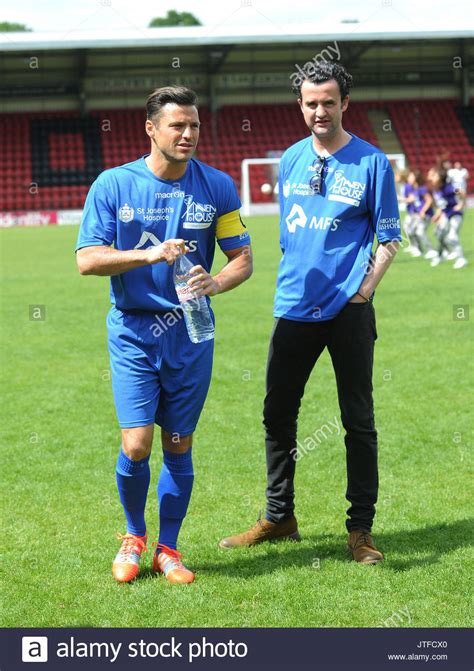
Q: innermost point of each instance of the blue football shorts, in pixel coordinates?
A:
(158, 375)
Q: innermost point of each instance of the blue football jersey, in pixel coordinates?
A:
(130, 208)
(327, 237)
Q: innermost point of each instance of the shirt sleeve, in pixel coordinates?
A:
(99, 223)
(383, 203)
(228, 198)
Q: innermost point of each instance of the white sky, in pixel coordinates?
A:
(109, 15)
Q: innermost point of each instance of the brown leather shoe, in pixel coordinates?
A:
(263, 530)
(362, 548)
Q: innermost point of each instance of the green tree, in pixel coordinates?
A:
(174, 18)
(7, 27)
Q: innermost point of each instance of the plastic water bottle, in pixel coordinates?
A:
(196, 310)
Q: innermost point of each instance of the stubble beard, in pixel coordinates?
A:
(329, 134)
(171, 158)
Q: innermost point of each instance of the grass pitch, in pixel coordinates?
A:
(60, 440)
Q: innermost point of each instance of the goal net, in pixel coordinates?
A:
(259, 183)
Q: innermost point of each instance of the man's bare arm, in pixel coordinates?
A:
(107, 261)
(379, 264)
(238, 269)
(459, 207)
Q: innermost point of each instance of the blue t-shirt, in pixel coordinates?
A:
(327, 238)
(130, 208)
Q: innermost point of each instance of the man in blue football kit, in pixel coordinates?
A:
(138, 219)
(336, 193)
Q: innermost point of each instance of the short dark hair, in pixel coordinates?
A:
(180, 95)
(323, 71)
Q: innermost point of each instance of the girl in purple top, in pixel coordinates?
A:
(449, 216)
(405, 178)
(423, 202)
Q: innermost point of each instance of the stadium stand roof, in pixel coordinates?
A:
(84, 70)
(62, 93)
(133, 37)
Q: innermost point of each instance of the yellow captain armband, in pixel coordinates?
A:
(230, 225)
(231, 232)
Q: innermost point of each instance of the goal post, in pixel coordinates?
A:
(398, 161)
(252, 206)
(254, 203)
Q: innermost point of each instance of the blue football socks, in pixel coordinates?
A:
(133, 479)
(174, 491)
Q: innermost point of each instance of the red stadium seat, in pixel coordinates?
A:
(67, 164)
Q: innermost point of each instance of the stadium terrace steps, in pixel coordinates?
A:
(466, 117)
(384, 131)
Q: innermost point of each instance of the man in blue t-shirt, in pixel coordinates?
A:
(138, 219)
(336, 193)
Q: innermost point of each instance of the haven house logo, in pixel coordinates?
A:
(197, 215)
(345, 191)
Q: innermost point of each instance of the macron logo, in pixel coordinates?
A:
(296, 218)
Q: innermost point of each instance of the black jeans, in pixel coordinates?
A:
(294, 349)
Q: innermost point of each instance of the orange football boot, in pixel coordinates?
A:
(127, 561)
(168, 562)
